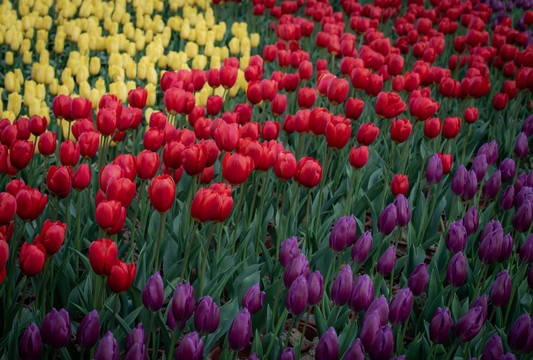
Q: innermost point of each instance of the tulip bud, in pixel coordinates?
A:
(343, 233)
(253, 299)
(69, 153)
(469, 325)
(328, 346)
(296, 300)
(20, 153)
(206, 315)
(490, 242)
(136, 336)
(47, 143)
(369, 328)
(287, 354)
(147, 164)
(55, 329)
(367, 134)
(59, 180)
(8, 207)
(30, 344)
(459, 180)
(315, 288)
(403, 211)
(518, 335)
(382, 346)
(31, 259)
(388, 105)
(82, 177)
(107, 348)
(121, 276)
(358, 156)
(439, 328)
(493, 349)
(356, 351)
(362, 247)
(521, 147)
(501, 289)
(456, 237)
(362, 294)
(381, 307)
(526, 250)
(508, 169)
(289, 250)
(480, 167)
(471, 220)
(418, 280)
(507, 199)
(308, 172)
(399, 184)
(456, 271)
(183, 302)
(240, 331)
(387, 261)
(162, 191)
(153, 293)
(387, 219)
(298, 266)
(400, 306)
(342, 286)
(523, 216)
(492, 186)
(87, 334)
(434, 169)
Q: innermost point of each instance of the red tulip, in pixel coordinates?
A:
(110, 216)
(162, 191)
(400, 130)
(451, 127)
(399, 184)
(432, 128)
(367, 133)
(447, 162)
(268, 89)
(31, 259)
(121, 276)
(106, 121)
(375, 85)
(279, 104)
(69, 153)
(360, 77)
(172, 154)
(236, 168)
(338, 90)
(80, 108)
(194, 159)
(20, 153)
(61, 107)
(306, 97)
(47, 143)
(153, 139)
(52, 236)
(338, 133)
(354, 108)
(214, 203)
(422, 108)
(226, 137)
(147, 164)
(9, 134)
(270, 130)
(103, 255)
(389, 105)
(38, 125)
(121, 190)
(59, 181)
(471, 115)
(82, 177)
(318, 120)
(228, 76)
(30, 203)
(214, 105)
(358, 156)
(137, 97)
(107, 173)
(285, 165)
(8, 208)
(308, 172)
(499, 102)
(88, 143)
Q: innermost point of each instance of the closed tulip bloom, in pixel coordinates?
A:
(278, 106)
(369, 328)
(451, 127)
(356, 351)
(523, 216)
(183, 302)
(403, 210)
(342, 286)
(507, 199)
(389, 105)
(298, 266)
(20, 153)
(110, 216)
(55, 329)
(343, 234)
(172, 153)
(121, 276)
(270, 130)
(418, 279)
(521, 147)
(52, 236)
(456, 237)
(456, 271)
(508, 169)
(387, 219)
(162, 191)
(337, 90)
(506, 248)
(136, 336)
(471, 220)
(362, 294)
(107, 173)
(30, 345)
(387, 261)
(526, 250)
(367, 133)
(30, 203)
(107, 348)
(236, 168)
(493, 349)
(285, 165)
(358, 156)
(491, 152)
(87, 333)
(518, 335)
(471, 114)
(82, 177)
(382, 346)
(308, 172)
(38, 125)
(440, 326)
(147, 164)
(153, 293)
(432, 128)
(501, 289)
(268, 89)
(69, 153)
(253, 299)
(362, 247)
(459, 180)
(400, 306)
(137, 97)
(434, 169)
(492, 186)
(422, 108)
(206, 316)
(469, 325)
(31, 259)
(102, 256)
(59, 181)
(480, 167)
(289, 250)
(121, 190)
(240, 331)
(190, 348)
(106, 121)
(315, 288)
(328, 346)
(287, 354)
(306, 97)
(354, 108)
(338, 133)
(8, 207)
(296, 300)
(47, 143)
(400, 130)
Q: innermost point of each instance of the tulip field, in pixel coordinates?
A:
(266, 179)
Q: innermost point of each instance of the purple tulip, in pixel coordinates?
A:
(356, 351)
(521, 181)
(107, 348)
(343, 234)
(253, 357)
(87, 334)
(183, 302)
(507, 199)
(508, 169)
(492, 186)
(501, 289)
(456, 271)
(55, 330)
(137, 352)
(434, 169)
(490, 244)
(289, 250)
(370, 326)
(508, 356)
(328, 346)
(518, 335)
(153, 293)
(386, 262)
(403, 210)
(526, 193)
(287, 354)
(206, 315)
(456, 237)
(418, 280)
(253, 299)
(523, 217)
(136, 336)
(492, 152)
(387, 219)
(296, 300)
(315, 288)
(471, 186)
(362, 247)
(30, 343)
(471, 220)
(526, 250)
(459, 180)
(521, 147)
(439, 328)
(382, 307)
(382, 346)
(469, 325)
(297, 267)
(530, 278)
(362, 293)
(190, 348)
(400, 306)
(480, 167)
(240, 331)
(506, 249)
(527, 125)
(493, 349)
(342, 286)
(171, 321)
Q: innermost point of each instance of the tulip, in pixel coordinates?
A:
(59, 181)
(110, 216)
(456, 271)
(38, 125)
(268, 89)
(315, 288)
(212, 204)
(338, 133)
(343, 233)
(508, 169)
(328, 346)
(87, 333)
(387, 219)
(30, 203)
(367, 133)
(471, 220)
(289, 250)
(137, 97)
(422, 108)
(362, 247)
(236, 168)
(456, 237)
(523, 216)
(434, 169)
(47, 143)
(501, 289)
(285, 165)
(386, 262)
(102, 256)
(308, 172)
(20, 153)
(389, 105)
(296, 300)
(382, 346)
(107, 173)
(278, 106)
(253, 299)
(107, 348)
(8, 207)
(342, 286)
(31, 259)
(153, 293)
(106, 121)
(469, 325)
(418, 280)
(358, 156)
(362, 294)
(206, 316)
(183, 302)
(400, 130)
(82, 177)
(471, 114)
(121, 276)
(55, 329)
(432, 128)
(369, 328)
(136, 336)
(147, 164)
(162, 192)
(526, 250)
(521, 147)
(480, 167)
(451, 127)
(287, 354)
(439, 328)
(298, 266)
(518, 335)
(354, 108)
(493, 349)
(506, 248)
(52, 236)
(402, 210)
(356, 351)
(337, 91)
(400, 306)
(240, 331)
(121, 190)
(190, 348)
(492, 186)
(30, 345)
(69, 153)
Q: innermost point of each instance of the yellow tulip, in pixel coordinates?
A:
(53, 87)
(151, 75)
(14, 103)
(147, 114)
(199, 62)
(162, 62)
(119, 89)
(94, 65)
(59, 44)
(29, 92)
(11, 83)
(185, 29)
(49, 74)
(215, 62)
(224, 52)
(82, 75)
(9, 115)
(34, 108)
(245, 46)
(18, 74)
(100, 85)
(95, 98)
(70, 85)
(234, 46)
(150, 100)
(44, 57)
(85, 90)
(191, 49)
(9, 58)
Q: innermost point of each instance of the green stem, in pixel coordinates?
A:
(254, 197)
(134, 220)
(327, 157)
(204, 260)
(150, 329)
(172, 344)
(469, 128)
(291, 209)
(264, 186)
(78, 233)
(347, 206)
(278, 239)
(303, 331)
(237, 216)
(13, 260)
(187, 252)
(308, 207)
(23, 298)
(326, 279)
(513, 292)
(276, 331)
(159, 239)
(114, 312)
